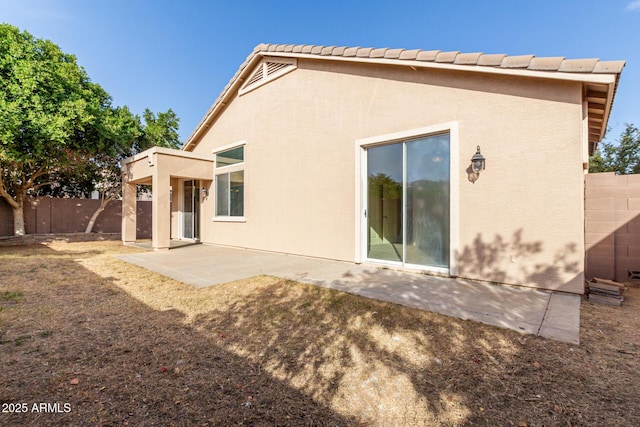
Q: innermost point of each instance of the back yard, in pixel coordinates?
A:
(103, 342)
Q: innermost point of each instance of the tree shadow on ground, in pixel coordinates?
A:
(305, 355)
(75, 337)
(392, 365)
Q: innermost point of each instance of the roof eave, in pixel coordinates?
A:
(609, 74)
(520, 72)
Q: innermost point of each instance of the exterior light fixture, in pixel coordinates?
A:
(477, 161)
(204, 192)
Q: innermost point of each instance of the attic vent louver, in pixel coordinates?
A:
(257, 76)
(268, 70)
(274, 67)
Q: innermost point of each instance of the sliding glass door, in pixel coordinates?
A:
(385, 177)
(408, 186)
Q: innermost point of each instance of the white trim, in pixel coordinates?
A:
(360, 179)
(227, 171)
(585, 134)
(232, 167)
(520, 72)
(228, 219)
(454, 191)
(454, 197)
(403, 206)
(193, 207)
(266, 78)
(228, 147)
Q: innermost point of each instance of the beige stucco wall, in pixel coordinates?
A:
(162, 168)
(520, 223)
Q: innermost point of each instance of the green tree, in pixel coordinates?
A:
(50, 112)
(160, 130)
(101, 171)
(622, 158)
(59, 133)
(130, 137)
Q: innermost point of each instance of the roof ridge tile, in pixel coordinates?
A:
(338, 51)
(350, 51)
(470, 58)
(517, 61)
(585, 65)
(449, 57)
(427, 55)
(606, 67)
(364, 52)
(393, 53)
(546, 63)
(409, 54)
(378, 53)
(491, 59)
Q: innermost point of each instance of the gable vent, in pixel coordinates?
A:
(268, 70)
(257, 76)
(274, 67)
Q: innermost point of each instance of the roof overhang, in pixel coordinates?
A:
(140, 168)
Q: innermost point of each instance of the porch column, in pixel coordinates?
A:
(129, 207)
(161, 215)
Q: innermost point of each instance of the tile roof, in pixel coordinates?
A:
(529, 62)
(478, 60)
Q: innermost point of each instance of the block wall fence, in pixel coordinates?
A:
(46, 215)
(612, 225)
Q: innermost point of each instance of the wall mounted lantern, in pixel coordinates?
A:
(477, 161)
(204, 192)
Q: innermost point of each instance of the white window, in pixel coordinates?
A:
(230, 194)
(229, 184)
(230, 157)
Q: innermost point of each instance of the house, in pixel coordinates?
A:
(364, 155)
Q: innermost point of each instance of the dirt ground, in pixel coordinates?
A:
(86, 339)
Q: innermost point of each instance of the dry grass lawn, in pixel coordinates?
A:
(122, 346)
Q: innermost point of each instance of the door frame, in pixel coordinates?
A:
(361, 222)
(195, 207)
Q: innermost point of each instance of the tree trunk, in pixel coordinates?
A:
(18, 219)
(96, 214)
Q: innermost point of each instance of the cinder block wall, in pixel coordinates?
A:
(46, 215)
(612, 225)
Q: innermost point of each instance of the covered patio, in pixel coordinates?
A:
(165, 170)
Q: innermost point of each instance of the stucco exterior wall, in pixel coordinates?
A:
(520, 223)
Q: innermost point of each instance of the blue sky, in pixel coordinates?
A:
(180, 54)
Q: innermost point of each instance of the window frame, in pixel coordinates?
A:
(228, 170)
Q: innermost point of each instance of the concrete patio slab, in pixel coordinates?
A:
(532, 311)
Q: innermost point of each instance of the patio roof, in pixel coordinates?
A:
(156, 167)
(139, 169)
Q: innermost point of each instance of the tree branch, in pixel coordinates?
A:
(5, 194)
(42, 184)
(36, 174)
